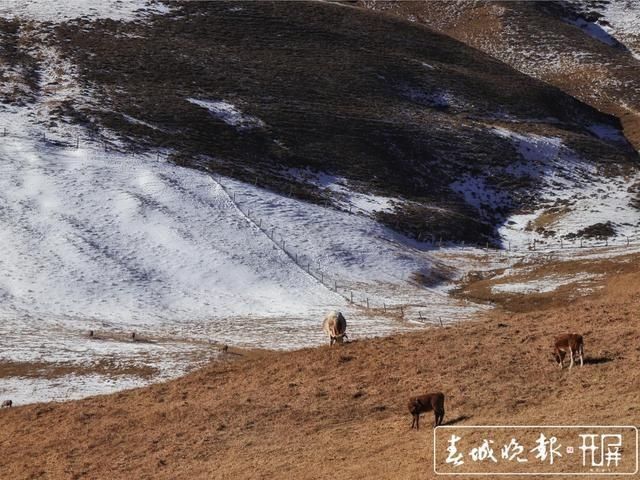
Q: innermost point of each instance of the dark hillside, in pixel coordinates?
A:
(563, 43)
(394, 107)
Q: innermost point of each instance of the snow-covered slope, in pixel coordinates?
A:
(58, 10)
(118, 242)
(572, 194)
(618, 18)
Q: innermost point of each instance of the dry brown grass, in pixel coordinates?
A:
(105, 366)
(509, 31)
(341, 412)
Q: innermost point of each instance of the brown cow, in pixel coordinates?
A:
(569, 342)
(427, 403)
(7, 404)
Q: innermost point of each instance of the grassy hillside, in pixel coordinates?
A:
(341, 412)
(394, 107)
(587, 49)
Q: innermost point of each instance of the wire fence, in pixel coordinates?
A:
(534, 248)
(512, 250)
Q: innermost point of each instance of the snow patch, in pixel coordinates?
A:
(571, 194)
(542, 285)
(607, 132)
(229, 114)
(593, 30)
(59, 11)
(345, 195)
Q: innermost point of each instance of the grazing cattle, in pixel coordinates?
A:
(7, 404)
(571, 343)
(335, 326)
(427, 403)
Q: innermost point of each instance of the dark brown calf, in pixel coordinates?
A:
(571, 343)
(427, 403)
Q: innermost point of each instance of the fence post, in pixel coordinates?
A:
(77, 142)
(401, 310)
(309, 267)
(321, 277)
(296, 257)
(384, 306)
(441, 324)
(283, 243)
(351, 297)
(335, 285)
(367, 303)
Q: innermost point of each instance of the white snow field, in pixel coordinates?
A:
(118, 243)
(61, 10)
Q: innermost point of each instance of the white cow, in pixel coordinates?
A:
(335, 326)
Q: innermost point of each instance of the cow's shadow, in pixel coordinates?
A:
(597, 360)
(459, 419)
